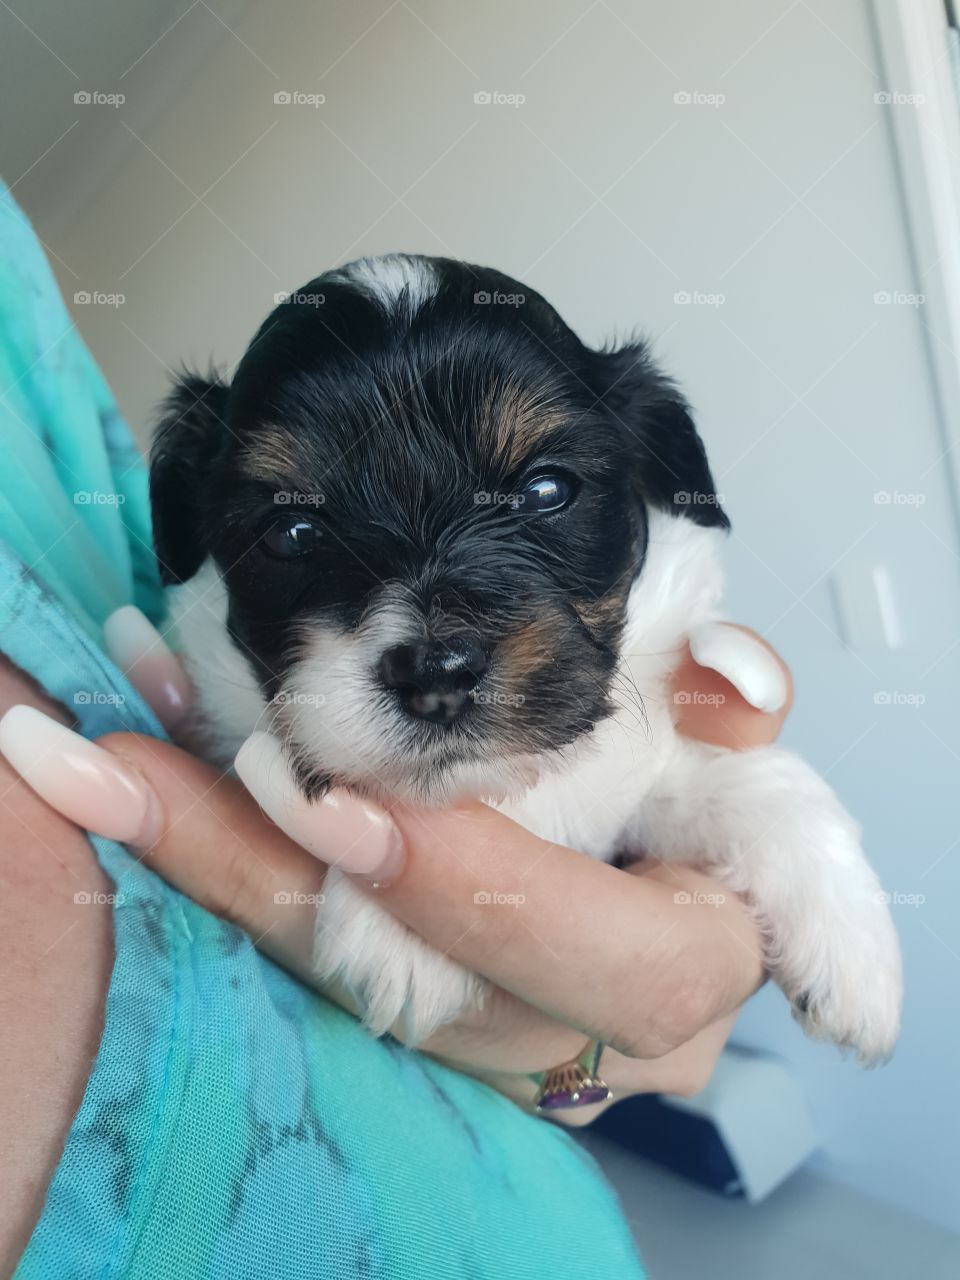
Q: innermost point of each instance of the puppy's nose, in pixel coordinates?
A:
(433, 679)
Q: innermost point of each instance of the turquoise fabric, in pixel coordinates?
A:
(235, 1124)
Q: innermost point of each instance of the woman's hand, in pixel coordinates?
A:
(654, 960)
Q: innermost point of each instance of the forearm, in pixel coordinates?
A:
(55, 956)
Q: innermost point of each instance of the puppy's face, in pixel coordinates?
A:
(428, 506)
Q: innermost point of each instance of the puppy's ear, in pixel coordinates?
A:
(189, 435)
(670, 464)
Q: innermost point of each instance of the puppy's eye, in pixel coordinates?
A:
(546, 493)
(289, 537)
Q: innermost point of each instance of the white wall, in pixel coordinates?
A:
(611, 198)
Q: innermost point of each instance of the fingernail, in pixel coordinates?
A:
(79, 779)
(744, 661)
(141, 653)
(341, 830)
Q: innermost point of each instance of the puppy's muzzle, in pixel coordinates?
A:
(433, 679)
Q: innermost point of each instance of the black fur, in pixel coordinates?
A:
(191, 432)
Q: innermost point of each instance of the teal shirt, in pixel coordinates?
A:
(235, 1125)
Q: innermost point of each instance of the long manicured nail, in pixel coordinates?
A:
(139, 650)
(79, 779)
(342, 830)
(742, 660)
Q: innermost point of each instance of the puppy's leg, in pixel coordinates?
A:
(768, 826)
(393, 975)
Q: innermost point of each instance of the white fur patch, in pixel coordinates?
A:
(230, 704)
(394, 279)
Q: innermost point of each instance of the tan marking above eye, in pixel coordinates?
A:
(514, 420)
(274, 457)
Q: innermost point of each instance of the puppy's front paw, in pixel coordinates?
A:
(772, 829)
(396, 979)
(836, 954)
(851, 993)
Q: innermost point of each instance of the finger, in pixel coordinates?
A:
(683, 1072)
(710, 707)
(625, 959)
(141, 653)
(524, 913)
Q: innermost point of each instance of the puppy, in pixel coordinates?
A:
(441, 548)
